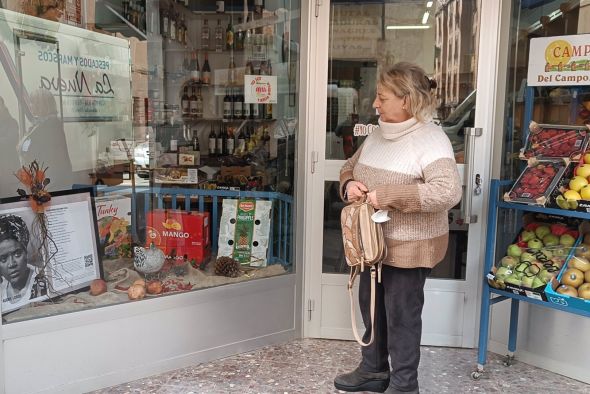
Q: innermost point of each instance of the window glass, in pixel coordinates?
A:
(167, 132)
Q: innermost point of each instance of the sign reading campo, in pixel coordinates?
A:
(561, 60)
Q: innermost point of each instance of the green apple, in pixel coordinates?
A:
(527, 281)
(514, 250)
(547, 253)
(546, 276)
(520, 269)
(567, 240)
(550, 240)
(542, 231)
(503, 272)
(535, 243)
(526, 235)
(532, 270)
(559, 252)
(537, 283)
(509, 262)
(513, 280)
(526, 256)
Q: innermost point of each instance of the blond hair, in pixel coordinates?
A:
(409, 80)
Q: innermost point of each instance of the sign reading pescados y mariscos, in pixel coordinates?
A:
(562, 60)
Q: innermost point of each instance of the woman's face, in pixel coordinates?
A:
(13, 262)
(390, 107)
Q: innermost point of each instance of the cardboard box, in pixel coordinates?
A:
(557, 200)
(180, 234)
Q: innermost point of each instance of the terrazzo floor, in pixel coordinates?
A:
(309, 366)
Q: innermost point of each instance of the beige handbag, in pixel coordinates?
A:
(364, 246)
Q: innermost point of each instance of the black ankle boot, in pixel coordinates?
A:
(358, 380)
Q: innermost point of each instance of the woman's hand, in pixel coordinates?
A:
(372, 199)
(355, 190)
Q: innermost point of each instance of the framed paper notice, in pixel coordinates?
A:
(260, 89)
(30, 272)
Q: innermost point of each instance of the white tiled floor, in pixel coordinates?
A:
(309, 366)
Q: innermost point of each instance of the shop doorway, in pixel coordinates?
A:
(353, 39)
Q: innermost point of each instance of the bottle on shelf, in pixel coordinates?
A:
(164, 29)
(206, 75)
(212, 142)
(239, 36)
(186, 63)
(245, 107)
(193, 104)
(179, 30)
(241, 148)
(125, 7)
(248, 39)
(195, 143)
(230, 142)
(220, 6)
(238, 104)
(172, 28)
(231, 71)
(219, 145)
(195, 69)
(185, 102)
(254, 111)
(205, 35)
(173, 142)
(219, 43)
(229, 35)
(199, 104)
(227, 105)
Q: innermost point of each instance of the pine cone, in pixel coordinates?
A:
(226, 266)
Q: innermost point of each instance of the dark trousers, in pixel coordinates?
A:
(399, 299)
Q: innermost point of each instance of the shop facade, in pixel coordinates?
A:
(207, 137)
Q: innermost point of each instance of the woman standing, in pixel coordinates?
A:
(407, 167)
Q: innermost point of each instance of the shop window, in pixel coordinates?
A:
(166, 133)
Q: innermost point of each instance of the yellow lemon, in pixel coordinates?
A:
(585, 192)
(572, 195)
(577, 182)
(558, 51)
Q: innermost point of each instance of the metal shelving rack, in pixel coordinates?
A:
(490, 295)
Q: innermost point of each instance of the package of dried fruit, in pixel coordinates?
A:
(546, 141)
(536, 182)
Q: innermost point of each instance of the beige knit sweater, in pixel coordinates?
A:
(412, 167)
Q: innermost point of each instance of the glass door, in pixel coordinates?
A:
(357, 38)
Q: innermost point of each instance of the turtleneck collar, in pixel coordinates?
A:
(394, 131)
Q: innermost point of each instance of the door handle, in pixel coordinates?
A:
(473, 182)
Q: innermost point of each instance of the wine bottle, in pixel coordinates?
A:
(199, 104)
(238, 104)
(172, 23)
(227, 105)
(165, 23)
(193, 104)
(219, 145)
(219, 37)
(179, 30)
(212, 142)
(231, 71)
(195, 69)
(185, 102)
(241, 148)
(239, 37)
(196, 146)
(174, 142)
(230, 142)
(206, 76)
(229, 36)
(205, 35)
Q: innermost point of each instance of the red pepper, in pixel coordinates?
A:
(522, 244)
(532, 226)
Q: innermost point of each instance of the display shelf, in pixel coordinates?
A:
(488, 299)
(124, 26)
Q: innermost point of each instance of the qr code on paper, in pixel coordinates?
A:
(88, 260)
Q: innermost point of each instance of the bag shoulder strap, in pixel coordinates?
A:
(375, 273)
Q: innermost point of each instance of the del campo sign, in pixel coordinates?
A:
(561, 60)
